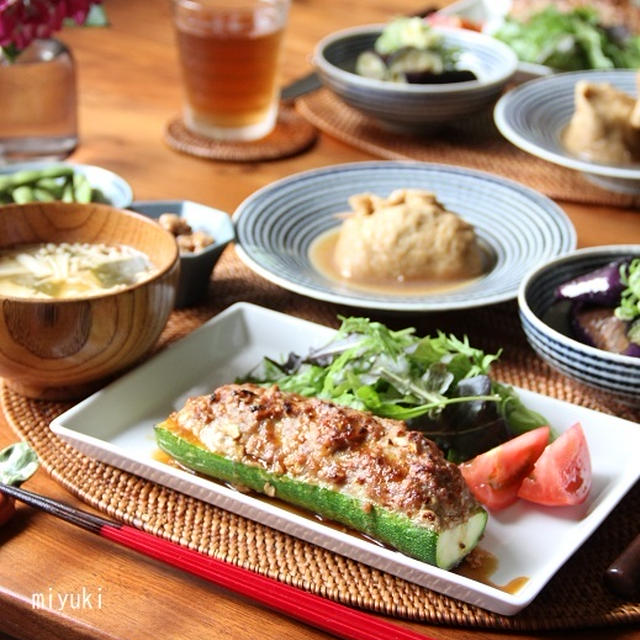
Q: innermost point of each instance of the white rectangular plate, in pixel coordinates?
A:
(115, 425)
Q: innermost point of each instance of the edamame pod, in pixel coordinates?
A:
(54, 182)
(22, 194)
(56, 171)
(81, 188)
(53, 186)
(67, 193)
(42, 195)
(25, 177)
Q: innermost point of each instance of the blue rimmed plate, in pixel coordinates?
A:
(276, 226)
(534, 115)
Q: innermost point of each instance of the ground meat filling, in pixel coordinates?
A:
(377, 460)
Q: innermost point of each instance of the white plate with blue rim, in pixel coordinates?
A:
(534, 116)
(517, 227)
(108, 187)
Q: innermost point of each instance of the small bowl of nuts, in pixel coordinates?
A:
(201, 233)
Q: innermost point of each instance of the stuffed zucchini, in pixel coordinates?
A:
(369, 473)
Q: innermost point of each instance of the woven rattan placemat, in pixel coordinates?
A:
(472, 142)
(575, 598)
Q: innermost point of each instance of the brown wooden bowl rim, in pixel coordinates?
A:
(160, 273)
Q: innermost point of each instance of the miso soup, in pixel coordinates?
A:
(70, 270)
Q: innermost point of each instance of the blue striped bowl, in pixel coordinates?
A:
(610, 372)
(534, 115)
(415, 105)
(276, 226)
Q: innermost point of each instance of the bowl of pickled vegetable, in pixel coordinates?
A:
(85, 291)
(410, 75)
(62, 181)
(581, 314)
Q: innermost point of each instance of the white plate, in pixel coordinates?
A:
(277, 225)
(115, 425)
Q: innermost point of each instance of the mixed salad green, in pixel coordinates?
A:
(629, 306)
(440, 385)
(571, 40)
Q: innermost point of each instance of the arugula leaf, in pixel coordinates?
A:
(517, 416)
(438, 383)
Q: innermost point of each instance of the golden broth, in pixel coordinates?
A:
(321, 255)
(70, 270)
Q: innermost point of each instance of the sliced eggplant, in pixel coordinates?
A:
(600, 328)
(446, 77)
(600, 287)
(633, 333)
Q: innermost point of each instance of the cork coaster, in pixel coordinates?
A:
(574, 599)
(291, 135)
(472, 142)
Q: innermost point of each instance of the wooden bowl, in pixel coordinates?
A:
(67, 348)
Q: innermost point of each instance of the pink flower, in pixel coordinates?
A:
(78, 10)
(21, 21)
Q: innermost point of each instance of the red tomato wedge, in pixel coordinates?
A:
(438, 19)
(562, 474)
(495, 476)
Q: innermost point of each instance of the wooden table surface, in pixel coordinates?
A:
(129, 88)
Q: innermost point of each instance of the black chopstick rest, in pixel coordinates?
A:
(623, 576)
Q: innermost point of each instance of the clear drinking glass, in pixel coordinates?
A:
(229, 52)
(38, 117)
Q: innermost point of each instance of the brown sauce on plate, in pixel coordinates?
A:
(164, 458)
(160, 456)
(321, 254)
(480, 565)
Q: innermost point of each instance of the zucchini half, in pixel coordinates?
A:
(443, 549)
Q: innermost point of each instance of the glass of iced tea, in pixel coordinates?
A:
(229, 52)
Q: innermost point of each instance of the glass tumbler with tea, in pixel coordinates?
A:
(229, 52)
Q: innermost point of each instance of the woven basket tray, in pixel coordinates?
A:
(575, 598)
(473, 142)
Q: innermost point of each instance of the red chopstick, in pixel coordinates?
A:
(314, 610)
